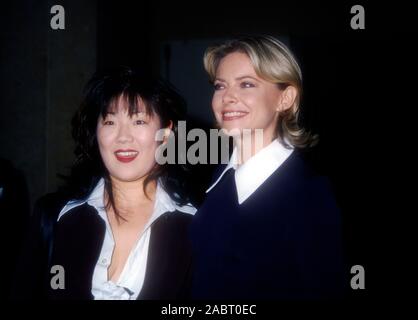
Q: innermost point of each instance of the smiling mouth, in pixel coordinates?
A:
(233, 115)
(126, 155)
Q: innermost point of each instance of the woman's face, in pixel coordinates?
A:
(127, 144)
(243, 100)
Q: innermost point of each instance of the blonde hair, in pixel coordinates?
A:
(273, 62)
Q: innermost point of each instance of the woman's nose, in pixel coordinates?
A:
(124, 134)
(229, 96)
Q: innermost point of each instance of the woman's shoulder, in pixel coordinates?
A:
(302, 180)
(176, 221)
(300, 167)
(51, 200)
(49, 209)
(50, 205)
(177, 217)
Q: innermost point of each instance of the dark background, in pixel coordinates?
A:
(356, 86)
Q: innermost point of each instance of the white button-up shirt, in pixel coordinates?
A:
(130, 281)
(251, 174)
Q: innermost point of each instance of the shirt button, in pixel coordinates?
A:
(104, 261)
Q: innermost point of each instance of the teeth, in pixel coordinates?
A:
(127, 153)
(233, 113)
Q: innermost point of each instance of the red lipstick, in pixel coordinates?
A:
(126, 155)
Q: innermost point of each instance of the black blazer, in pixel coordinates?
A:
(76, 244)
(283, 242)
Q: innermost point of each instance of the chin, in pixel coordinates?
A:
(232, 132)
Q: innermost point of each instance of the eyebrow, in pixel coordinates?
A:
(239, 78)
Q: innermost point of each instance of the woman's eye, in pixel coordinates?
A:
(108, 123)
(218, 86)
(247, 85)
(139, 122)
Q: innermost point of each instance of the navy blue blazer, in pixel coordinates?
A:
(283, 242)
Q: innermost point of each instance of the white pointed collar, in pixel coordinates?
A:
(163, 203)
(251, 174)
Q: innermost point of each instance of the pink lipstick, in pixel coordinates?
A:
(233, 115)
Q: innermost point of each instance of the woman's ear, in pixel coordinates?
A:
(167, 131)
(287, 98)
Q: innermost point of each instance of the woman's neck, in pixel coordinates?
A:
(129, 196)
(249, 144)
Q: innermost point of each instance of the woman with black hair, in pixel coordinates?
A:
(119, 229)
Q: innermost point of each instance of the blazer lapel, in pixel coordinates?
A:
(168, 272)
(78, 240)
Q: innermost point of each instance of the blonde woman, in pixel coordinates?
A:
(269, 227)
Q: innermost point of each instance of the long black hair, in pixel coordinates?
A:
(100, 95)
